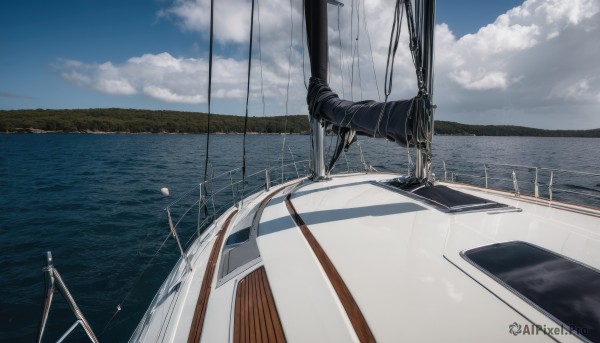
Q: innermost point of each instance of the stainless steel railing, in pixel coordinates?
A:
(559, 171)
(207, 200)
(532, 179)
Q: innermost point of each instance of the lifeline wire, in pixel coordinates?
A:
(135, 282)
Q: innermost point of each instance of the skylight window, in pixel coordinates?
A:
(564, 289)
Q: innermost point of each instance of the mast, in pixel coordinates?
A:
(398, 121)
(425, 22)
(316, 32)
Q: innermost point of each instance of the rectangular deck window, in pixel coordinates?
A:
(238, 237)
(564, 289)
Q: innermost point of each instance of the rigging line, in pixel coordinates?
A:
(293, 162)
(393, 48)
(371, 50)
(341, 60)
(422, 126)
(328, 62)
(358, 49)
(262, 88)
(347, 164)
(352, 48)
(409, 157)
(287, 92)
(303, 47)
(210, 65)
(359, 74)
(329, 154)
(247, 101)
(355, 50)
(415, 46)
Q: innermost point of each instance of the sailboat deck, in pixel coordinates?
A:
(349, 261)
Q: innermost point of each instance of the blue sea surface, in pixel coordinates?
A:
(94, 200)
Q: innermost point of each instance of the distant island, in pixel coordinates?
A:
(145, 121)
(456, 129)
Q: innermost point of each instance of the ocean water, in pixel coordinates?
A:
(95, 202)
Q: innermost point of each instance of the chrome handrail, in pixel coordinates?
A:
(513, 179)
(570, 172)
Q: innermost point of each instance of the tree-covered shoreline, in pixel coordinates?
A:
(147, 121)
(456, 129)
(142, 121)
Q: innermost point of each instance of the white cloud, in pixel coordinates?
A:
(584, 90)
(161, 77)
(195, 16)
(500, 37)
(166, 95)
(532, 65)
(480, 80)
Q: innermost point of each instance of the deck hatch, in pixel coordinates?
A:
(443, 198)
(564, 289)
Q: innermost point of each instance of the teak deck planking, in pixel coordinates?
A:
(255, 317)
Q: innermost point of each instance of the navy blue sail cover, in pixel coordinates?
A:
(391, 120)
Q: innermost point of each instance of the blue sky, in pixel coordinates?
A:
(92, 53)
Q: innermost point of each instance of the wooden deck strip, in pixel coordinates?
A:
(251, 308)
(246, 314)
(270, 323)
(261, 315)
(270, 334)
(205, 288)
(255, 314)
(237, 317)
(258, 312)
(354, 313)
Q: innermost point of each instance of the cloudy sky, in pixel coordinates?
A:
(533, 63)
